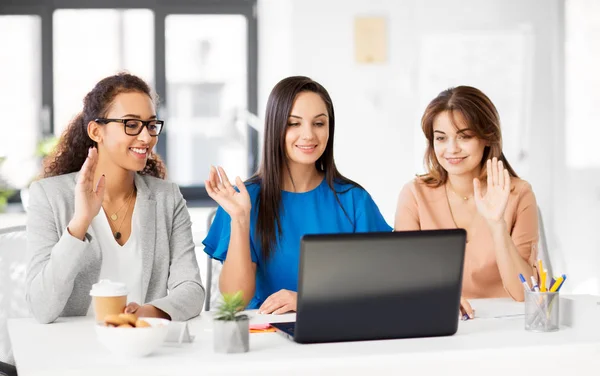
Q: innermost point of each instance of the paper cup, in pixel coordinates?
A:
(109, 298)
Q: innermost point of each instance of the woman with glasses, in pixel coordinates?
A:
(297, 190)
(470, 184)
(104, 211)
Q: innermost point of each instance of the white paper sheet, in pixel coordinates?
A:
(497, 308)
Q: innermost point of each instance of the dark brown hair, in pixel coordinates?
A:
(481, 117)
(274, 159)
(72, 148)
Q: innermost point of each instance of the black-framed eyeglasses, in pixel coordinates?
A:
(133, 127)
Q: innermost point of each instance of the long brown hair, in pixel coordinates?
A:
(274, 159)
(481, 117)
(72, 148)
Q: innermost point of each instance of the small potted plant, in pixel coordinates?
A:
(5, 190)
(231, 329)
(44, 148)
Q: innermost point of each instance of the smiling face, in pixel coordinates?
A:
(456, 147)
(125, 151)
(307, 130)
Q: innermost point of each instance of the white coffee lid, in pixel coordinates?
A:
(108, 288)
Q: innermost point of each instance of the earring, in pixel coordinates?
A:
(322, 168)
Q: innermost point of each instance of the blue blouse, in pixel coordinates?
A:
(313, 212)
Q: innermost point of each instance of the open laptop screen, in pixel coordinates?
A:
(379, 285)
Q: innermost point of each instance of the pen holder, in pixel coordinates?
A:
(541, 311)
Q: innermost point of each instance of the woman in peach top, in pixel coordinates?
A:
(469, 184)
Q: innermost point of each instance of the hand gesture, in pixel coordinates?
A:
(88, 196)
(236, 204)
(281, 302)
(492, 205)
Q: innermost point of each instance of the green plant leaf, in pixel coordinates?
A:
(5, 189)
(230, 307)
(46, 146)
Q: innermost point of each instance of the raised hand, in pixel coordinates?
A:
(88, 196)
(493, 204)
(236, 204)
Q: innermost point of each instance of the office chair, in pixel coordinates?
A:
(213, 270)
(13, 265)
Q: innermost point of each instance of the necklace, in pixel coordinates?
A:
(465, 198)
(114, 216)
(468, 227)
(118, 232)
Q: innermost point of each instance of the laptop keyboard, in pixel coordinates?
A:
(287, 327)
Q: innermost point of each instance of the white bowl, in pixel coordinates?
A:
(134, 342)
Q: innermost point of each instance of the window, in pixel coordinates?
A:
(582, 79)
(20, 100)
(200, 57)
(206, 93)
(83, 55)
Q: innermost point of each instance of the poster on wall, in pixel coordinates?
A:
(370, 40)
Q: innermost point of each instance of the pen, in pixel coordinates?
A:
(556, 284)
(524, 282)
(564, 277)
(535, 287)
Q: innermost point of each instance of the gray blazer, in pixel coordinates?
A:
(62, 269)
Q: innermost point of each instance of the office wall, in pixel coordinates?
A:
(378, 107)
(378, 139)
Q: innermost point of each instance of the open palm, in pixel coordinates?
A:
(89, 197)
(493, 204)
(235, 203)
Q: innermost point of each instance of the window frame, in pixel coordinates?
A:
(194, 195)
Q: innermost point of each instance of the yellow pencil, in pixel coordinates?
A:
(556, 284)
(543, 275)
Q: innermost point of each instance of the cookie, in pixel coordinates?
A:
(124, 326)
(115, 320)
(142, 324)
(129, 317)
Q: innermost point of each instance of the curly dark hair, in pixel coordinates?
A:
(72, 148)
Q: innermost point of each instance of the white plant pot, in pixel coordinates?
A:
(231, 336)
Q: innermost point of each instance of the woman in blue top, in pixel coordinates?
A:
(296, 191)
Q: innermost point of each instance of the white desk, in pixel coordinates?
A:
(481, 347)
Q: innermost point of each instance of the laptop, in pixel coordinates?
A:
(373, 286)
